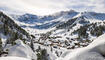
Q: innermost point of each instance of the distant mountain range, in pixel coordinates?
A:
(45, 22)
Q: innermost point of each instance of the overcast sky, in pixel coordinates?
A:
(45, 7)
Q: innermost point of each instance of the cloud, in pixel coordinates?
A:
(44, 7)
(88, 5)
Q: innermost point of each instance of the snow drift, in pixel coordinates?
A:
(13, 58)
(94, 51)
(21, 50)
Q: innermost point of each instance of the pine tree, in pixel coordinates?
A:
(0, 46)
(32, 45)
(42, 55)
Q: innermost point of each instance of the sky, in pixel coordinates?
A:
(46, 7)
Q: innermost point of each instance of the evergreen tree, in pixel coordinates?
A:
(42, 55)
(0, 46)
(32, 45)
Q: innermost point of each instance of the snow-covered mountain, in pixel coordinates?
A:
(66, 35)
(14, 41)
(44, 22)
(10, 30)
(67, 29)
(79, 31)
(49, 36)
(76, 29)
(50, 21)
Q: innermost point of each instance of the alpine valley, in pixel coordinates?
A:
(65, 35)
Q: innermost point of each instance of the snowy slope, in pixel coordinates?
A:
(21, 50)
(95, 51)
(13, 58)
(11, 44)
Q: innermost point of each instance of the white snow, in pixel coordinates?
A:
(95, 51)
(13, 58)
(21, 50)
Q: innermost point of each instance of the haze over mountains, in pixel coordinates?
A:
(46, 7)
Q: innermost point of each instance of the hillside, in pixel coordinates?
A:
(94, 51)
(10, 30)
(13, 38)
(15, 41)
